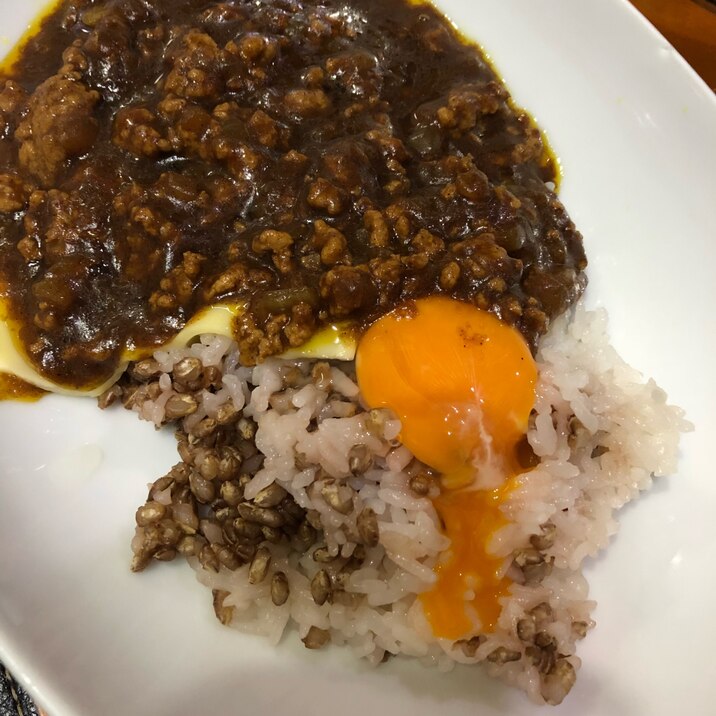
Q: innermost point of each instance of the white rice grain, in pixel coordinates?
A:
(625, 433)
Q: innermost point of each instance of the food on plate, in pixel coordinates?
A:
(209, 210)
(296, 503)
(305, 163)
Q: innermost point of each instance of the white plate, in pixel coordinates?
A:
(636, 132)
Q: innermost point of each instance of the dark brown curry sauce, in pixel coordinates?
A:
(322, 160)
(14, 388)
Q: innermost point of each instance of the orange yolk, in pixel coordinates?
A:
(463, 385)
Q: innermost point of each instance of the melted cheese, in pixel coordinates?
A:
(333, 342)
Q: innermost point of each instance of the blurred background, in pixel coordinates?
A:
(690, 26)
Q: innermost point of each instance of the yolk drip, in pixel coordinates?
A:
(469, 580)
(462, 383)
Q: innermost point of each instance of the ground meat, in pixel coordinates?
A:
(358, 73)
(270, 240)
(376, 225)
(313, 164)
(178, 286)
(135, 129)
(239, 278)
(264, 129)
(322, 195)
(307, 102)
(57, 289)
(108, 60)
(331, 243)
(12, 99)
(194, 132)
(466, 105)
(347, 289)
(13, 193)
(196, 73)
(59, 125)
(426, 243)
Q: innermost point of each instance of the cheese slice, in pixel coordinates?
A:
(332, 342)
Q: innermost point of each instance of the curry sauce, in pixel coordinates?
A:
(321, 161)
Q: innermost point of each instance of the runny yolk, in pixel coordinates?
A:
(462, 383)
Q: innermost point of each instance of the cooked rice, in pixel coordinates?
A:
(601, 434)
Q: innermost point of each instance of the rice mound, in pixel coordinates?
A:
(600, 434)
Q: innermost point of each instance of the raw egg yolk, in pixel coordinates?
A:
(462, 383)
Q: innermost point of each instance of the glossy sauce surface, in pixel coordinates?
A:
(13, 388)
(470, 581)
(462, 384)
(322, 161)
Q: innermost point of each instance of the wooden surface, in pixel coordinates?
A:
(690, 26)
